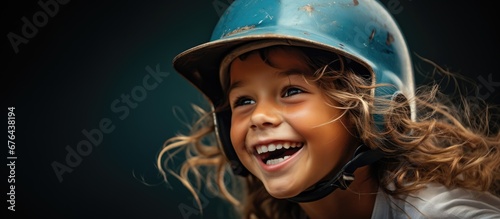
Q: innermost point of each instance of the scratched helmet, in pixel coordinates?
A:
(360, 30)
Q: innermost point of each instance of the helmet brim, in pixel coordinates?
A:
(201, 64)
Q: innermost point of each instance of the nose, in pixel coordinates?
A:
(265, 115)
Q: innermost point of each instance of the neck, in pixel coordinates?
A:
(355, 202)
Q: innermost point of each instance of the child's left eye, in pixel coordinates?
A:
(290, 91)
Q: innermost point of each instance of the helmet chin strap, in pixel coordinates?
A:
(362, 156)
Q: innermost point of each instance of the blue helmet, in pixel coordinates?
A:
(360, 30)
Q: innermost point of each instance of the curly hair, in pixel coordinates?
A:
(455, 142)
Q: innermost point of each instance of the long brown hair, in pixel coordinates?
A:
(448, 142)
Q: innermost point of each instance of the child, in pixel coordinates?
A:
(315, 113)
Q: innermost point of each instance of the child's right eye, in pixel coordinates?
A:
(241, 101)
(290, 91)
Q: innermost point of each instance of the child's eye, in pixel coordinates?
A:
(290, 91)
(240, 101)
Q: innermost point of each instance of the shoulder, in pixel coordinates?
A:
(437, 201)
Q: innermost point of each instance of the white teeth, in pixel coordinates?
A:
(279, 146)
(261, 150)
(277, 160)
(273, 147)
(286, 145)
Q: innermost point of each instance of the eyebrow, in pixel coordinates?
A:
(234, 85)
(293, 71)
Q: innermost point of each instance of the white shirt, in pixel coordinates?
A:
(436, 201)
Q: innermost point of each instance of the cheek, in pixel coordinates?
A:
(237, 134)
(319, 122)
(310, 116)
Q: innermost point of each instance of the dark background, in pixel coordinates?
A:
(65, 79)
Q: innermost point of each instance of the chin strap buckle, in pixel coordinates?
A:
(345, 180)
(362, 157)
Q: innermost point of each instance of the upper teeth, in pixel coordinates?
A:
(272, 147)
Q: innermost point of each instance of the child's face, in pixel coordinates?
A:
(276, 109)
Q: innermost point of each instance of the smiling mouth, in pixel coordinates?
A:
(275, 153)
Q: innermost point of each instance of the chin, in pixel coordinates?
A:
(283, 193)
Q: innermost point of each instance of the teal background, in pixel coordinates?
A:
(65, 79)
